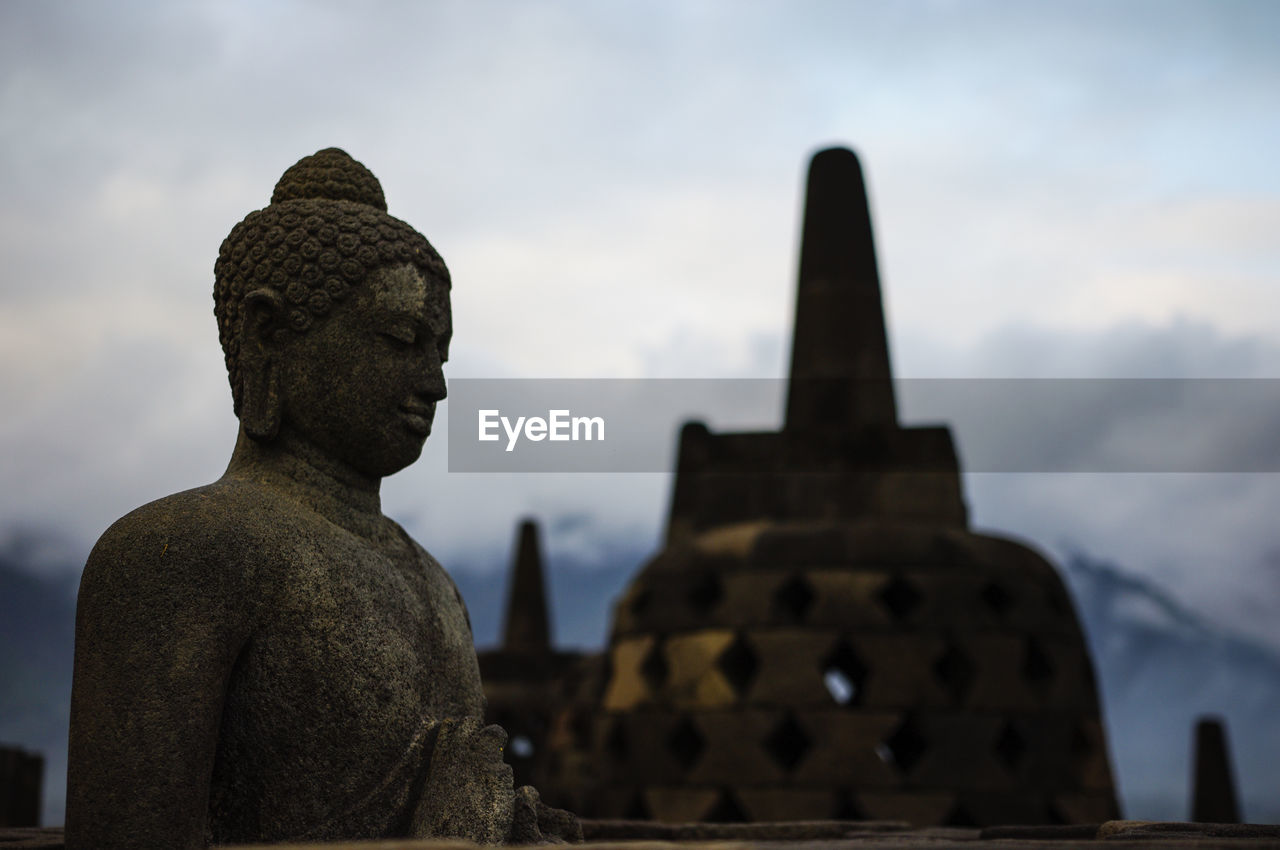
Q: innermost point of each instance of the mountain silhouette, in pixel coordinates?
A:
(37, 630)
(1160, 667)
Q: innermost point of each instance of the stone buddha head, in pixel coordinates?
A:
(334, 320)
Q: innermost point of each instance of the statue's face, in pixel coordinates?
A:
(363, 383)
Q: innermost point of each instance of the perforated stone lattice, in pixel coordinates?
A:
(900, 597)
(788, 743)
(906, 745)
(739, 664)
(726, 809)
(844, 674)
(686, 743)
(654, 668)
(955, 672)
(706, 593)
(793, 598)
(887, 651)
(1010, 746)
(616, 744)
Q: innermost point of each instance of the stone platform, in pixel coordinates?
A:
(819, 835)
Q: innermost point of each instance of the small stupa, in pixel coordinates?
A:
(540, 695)
(822, 636)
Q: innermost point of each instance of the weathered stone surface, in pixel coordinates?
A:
(1169, 831)
(822, 835)
(31, 838)
(597, 831)
(1042, 832)
(269, 657)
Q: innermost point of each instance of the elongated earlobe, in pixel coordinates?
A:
(261, 403)
(260, 414)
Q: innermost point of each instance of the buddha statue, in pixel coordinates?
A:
(269, 657)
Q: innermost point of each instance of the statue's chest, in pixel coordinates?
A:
(359, 645)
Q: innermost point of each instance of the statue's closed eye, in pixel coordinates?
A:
(404, 334)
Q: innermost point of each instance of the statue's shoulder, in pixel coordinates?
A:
(189, 558)
(193, 533)
(222, 511)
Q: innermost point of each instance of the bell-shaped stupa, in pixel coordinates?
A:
(822, 636)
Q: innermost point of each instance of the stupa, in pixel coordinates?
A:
(822, 635)
(544, 695)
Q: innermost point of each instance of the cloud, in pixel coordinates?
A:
(616, 191)
(139, 419)
(1207, 536)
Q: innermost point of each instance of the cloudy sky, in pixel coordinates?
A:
(1078, 189)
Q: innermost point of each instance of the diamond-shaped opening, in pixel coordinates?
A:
(520, 747)
(637, 808)
(725, 810)
(847, 807)
(1010, 746)
(788, 743)
(900, 597)
(616, 742)
(954, 671)
(905, 746)
(706, 593)
(1037, 666)
(739, 664)
(844, 674)
(640, 601)
(840, 686)
(793, 598)
(685, 743)
(960, 816)
(997, 598)
(580, 728)
(654, 667)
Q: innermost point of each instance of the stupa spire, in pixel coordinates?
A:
(840, 354)
(526, 627)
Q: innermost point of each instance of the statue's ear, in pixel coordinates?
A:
(260, 401)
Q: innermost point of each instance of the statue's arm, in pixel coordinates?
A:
(462, 603)
(160, 619)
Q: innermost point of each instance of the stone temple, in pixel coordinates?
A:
(545, 696)
(822, 636)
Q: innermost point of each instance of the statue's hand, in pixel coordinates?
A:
(468, 792)
(534, 822)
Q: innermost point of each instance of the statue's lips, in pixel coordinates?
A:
(418, 418)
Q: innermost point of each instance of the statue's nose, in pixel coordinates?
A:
(433, 386)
